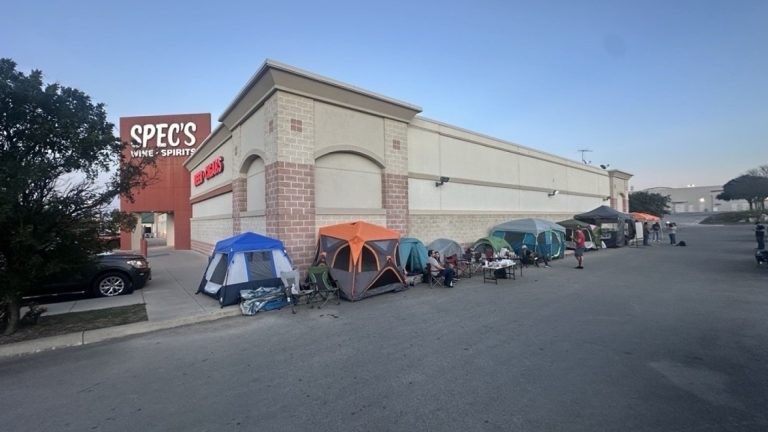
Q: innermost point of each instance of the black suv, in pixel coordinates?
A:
(113, 274)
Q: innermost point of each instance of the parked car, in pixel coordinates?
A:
(113, 274)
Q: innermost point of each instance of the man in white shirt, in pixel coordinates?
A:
(439, 270)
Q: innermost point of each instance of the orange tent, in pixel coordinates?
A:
(645, 217)
(362, 257)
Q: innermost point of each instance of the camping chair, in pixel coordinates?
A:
(434, 281)
(322, 284)
(294, 291)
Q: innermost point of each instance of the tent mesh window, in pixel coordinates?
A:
(220, 272)
(369, 261)
(259, 265)
(341, 260)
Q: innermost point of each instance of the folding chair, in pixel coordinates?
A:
(322, 284)
(294, 291)
(434, 281)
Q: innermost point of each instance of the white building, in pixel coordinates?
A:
(697, 199)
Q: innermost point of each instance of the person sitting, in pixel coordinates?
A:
(438, 270)
(528, 257)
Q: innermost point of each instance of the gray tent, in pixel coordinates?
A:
(447, 248)
(540, 235)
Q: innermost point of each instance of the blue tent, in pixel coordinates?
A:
(538, 235)
(245, 261)
(413, 255)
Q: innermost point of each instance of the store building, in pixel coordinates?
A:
(295, 151)
(171, 139)
(698, 199)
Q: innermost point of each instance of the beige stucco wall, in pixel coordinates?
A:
(345, 180)
(487, 174)
(256, 186)
(338, 128)
(220, 205)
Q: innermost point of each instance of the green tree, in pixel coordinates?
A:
(749, 187)
(649, 202)
(54, 145)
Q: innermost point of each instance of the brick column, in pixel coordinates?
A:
(290, 181)
(239, 191)
(291, 209)
(394, 180)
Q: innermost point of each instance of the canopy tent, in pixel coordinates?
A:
(413, 255)
(245, 261)
(571, 225)
(645, 217)
(363, 258)
(539, 235)
(490, 246)
(448, 248)
(616, 227)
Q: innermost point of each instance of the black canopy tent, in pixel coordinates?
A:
(615, 227)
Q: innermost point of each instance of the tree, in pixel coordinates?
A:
(54, 145)
(649, 202)
(752, 188)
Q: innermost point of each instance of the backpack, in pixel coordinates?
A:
(681, 243)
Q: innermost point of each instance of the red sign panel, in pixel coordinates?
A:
(213, 169)
(171, 139)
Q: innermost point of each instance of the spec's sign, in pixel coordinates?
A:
(213, 169)
(170, 139)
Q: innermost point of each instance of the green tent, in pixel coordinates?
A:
(491, 245)
(413, 255)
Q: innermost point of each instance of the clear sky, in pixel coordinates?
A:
(672, 91)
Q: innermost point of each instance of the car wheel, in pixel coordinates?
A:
(111, 284)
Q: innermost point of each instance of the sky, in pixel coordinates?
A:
(674, 92)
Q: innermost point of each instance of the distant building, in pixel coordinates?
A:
(698, 199)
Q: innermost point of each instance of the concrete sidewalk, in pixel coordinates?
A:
(169, 297)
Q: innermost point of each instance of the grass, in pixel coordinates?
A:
(55, 325)
(732, 218)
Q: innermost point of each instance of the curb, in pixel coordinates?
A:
(99, 335)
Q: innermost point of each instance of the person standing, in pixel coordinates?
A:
(672, 233)
(656, 231)
(580, 241)
(646, 234)
(760, 235)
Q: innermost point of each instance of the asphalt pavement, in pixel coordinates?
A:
(657, 338)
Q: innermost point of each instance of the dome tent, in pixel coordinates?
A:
(539, 235)
(362, 258)
(413, 255)
(447, 248)
(245, 261)
(489, 246)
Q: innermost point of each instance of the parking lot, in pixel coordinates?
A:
(643, 339)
